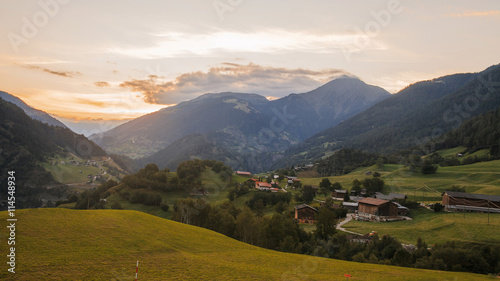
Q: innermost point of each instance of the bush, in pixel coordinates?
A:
(116, 206)
(164, 207)
(438, 207)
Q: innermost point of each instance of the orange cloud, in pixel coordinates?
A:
(102, 84)
(58, 73)
(250, 78)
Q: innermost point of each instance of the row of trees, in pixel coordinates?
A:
(188, 176)
(281, 232)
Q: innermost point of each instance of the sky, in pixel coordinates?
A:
(90, 62)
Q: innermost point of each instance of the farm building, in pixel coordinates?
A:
(263, 186)
(376, 209)
(305, 213)
(350, 206)
(338, 194)
(242, 173)
(470, 202)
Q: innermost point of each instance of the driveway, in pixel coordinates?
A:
(346, 220)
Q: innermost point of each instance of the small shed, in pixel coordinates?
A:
(338, 194)
(305, 213)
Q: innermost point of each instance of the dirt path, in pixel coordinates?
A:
(346, 220)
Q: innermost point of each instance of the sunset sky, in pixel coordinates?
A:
(86, 61)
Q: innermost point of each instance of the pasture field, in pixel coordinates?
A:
(62, 244)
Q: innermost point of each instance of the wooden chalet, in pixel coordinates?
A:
(338, 194)
(305, 213)
(471, 202)
(376, 209)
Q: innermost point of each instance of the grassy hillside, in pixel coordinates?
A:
(477, 178)
(60, 244)
(437, 228)
(71, 169)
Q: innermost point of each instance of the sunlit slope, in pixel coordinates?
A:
(60, 244)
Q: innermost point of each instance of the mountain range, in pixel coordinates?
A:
(246, 128)
(250, 132)
(415, 115)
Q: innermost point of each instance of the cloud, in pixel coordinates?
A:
(102, 84)
(170, 45)
(250, 78)
(475, 14)
(70, 74)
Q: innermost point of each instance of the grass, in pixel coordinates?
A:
(437, 228)
(480, 177)
(69, 173)
(62, 244)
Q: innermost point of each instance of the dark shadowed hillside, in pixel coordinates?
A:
(412, 116)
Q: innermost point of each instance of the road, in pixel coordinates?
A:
(347, 219)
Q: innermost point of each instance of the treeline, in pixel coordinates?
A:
(345, 161)
(188, 176)
(480, 132)
(280, 232)
(91, 199)
(450, 256)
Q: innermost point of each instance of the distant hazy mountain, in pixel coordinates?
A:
(421, 111)
(30, 111)
(242, 125)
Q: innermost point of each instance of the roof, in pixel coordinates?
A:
(400, 206)
(390, 196)
(473, 208)
(494, 198)
(373, 201)
(243, 173)
(264, 184)
(352, 204)
(340, 190)
(356, 198)
(302, 206)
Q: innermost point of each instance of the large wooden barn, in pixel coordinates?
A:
(305, 213)
(470, 202)
(372, 208)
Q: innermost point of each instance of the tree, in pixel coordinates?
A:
(428, 168)
(437, 207)
(308, 194)
(373, 185)
(356, 186)
(326, 184)
(326, 223)
(259, 208)
(336, 185)
(164, 207)
(116, 206)
(347, 197)
(401, 258)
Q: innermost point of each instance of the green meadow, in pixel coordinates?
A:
(483, 177)
(435, 228)
(62, 244)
